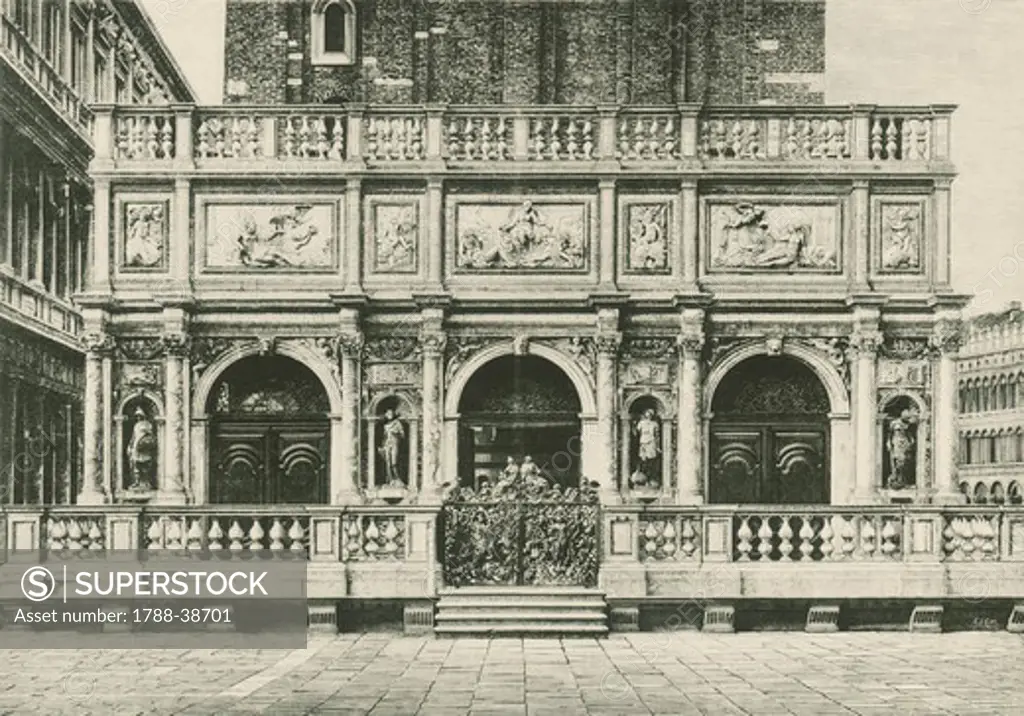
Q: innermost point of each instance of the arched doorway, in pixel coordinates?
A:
(518, 407)
(270, 434)
(769, 434)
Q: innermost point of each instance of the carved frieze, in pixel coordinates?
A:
(99, 343)
(176, 344)
(647, 232)
(144, 237)
(645, 347)
(270, 236)
(40, 360)
(521, 237)
(947, 337)
(395, 230)
(900, 234)
(140, 348)
(745, 236)
(391, 348)
(903, 347)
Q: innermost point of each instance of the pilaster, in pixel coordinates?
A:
(99, 278)
(432, 344)
(688, 253)
(689, 457)
(353, 236)
(345, 447)
(606, 241)
(946, 341)
(99, 345)
(865, 344)
(608, 340)
(860, 228)
(171, 485)
(435, 233)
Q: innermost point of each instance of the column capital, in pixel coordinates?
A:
(690, 345)
(350, 344)
(866, 342)
(176, 345)
(947, 337)
(432, 343)
(99, 343)
(608, 343)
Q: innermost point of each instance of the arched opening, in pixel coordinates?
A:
(520, 411)
(270, 434)
(769, 434)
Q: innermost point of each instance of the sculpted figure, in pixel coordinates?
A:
(391, 446)
(901, 447)
(648, 432)
(142, 452)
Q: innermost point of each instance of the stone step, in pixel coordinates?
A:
(502, 590)
(522, 629)
(522, 615)
(498, 602)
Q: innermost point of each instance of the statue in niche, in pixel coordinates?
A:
(393, 437)
(648, 432)
(144, 244)
(142, 452)
(647, 243)
(900, 243)
(902, 444)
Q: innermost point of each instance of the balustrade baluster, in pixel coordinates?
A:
(744, 536)
(195, 535)
(256, 535)
(277, 535)
(155, 534)
(785, 538)
(764, 536)
(806, 534)
(295, 536)
(236, 536)
(174, 534)
(868, 537)
(371, 534)
(827, 548)
(214, 535)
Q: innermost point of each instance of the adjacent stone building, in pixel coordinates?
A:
(57, 58)
(991, 414)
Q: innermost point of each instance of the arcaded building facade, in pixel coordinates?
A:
(429, 252)
(991, 401)
(56, 59)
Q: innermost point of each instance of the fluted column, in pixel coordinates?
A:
(688, 418)
(97, 345)
(607, 358)
(946, 341)
(865, 344)
(432, 344)
(350, 348)
(171, 486)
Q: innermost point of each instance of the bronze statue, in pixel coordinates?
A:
(391, 447)
(142, 452)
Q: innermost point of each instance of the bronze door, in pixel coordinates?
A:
(261, 463)
(769, 464)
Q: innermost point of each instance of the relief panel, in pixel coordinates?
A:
(899, 236)
(521, 236)
(394, 231)
(272, 237)
(646, 240)
(143, 231)
(768, 235)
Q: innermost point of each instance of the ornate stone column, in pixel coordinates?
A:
(98, 346)
(346, 489)
(171, 487)
(607, 344)
(865, 344)
(689, 415)
(432, 344)
(945, 342)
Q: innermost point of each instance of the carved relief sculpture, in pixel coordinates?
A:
(525, 237)
(142, 452)
(145, 232)
(296, 236)
(395, 238)
(392, 440)
(901, 237)
(648, 237)
(751, 237)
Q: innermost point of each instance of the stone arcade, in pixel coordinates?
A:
(734, 322)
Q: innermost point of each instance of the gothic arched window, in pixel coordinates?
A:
(333, 28)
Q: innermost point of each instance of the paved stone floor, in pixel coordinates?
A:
(650, 673)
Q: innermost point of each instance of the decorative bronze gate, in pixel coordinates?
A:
(512, 534)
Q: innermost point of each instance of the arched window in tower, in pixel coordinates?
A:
(333, 28)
